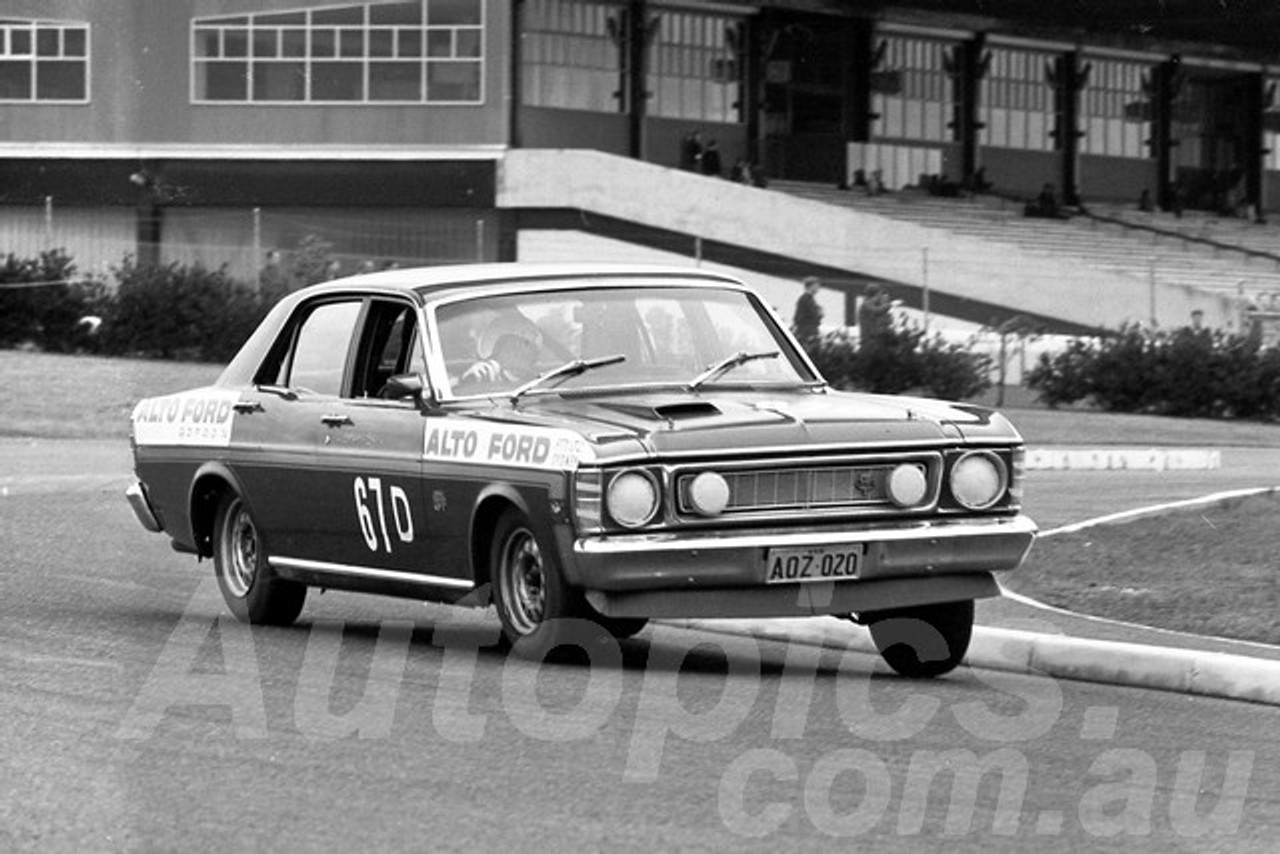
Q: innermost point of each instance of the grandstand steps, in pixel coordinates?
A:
(1143, 253)
(978, 259)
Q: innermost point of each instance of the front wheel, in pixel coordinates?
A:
(923, 641)
(251, 590)
(539, 611)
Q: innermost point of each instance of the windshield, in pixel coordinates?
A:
(664, 336)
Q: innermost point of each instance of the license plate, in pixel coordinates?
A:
(818, 563)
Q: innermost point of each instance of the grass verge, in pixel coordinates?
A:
(1210, 570)
(84, 397)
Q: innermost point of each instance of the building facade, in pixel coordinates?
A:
(185, 129)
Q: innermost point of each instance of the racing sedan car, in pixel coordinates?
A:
(577, 445)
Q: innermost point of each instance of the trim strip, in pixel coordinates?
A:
(247, 151)
(1004, 526)
(371, 572)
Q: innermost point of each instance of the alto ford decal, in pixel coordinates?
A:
(507, 445)
(202, 417)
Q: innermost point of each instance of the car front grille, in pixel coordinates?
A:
(786, 490)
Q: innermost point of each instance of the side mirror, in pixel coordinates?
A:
(401, 386)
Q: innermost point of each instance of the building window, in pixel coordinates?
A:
(695, 70)
(44, 61)
(572, 56)
(418, 52)
(1115, 110)
(912, 91)
(1017, 101)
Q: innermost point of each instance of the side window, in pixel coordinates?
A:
(320, 350)
(389, 346)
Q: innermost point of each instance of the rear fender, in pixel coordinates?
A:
(211, 482)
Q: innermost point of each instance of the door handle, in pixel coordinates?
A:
(247, 406)
(335, 420)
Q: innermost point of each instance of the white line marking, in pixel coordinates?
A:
(1157, 509)
(1043, 606)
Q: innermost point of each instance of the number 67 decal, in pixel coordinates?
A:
(371, 511)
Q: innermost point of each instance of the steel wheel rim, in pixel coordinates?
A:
(523, 577)
(240, 541)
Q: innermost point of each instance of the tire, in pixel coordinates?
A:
(540, 612)
(250, 588)
(923, 641)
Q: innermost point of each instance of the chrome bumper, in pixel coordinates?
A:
(137, 495)
(915, 549)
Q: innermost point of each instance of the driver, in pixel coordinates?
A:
(508, 350)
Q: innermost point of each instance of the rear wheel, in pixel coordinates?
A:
(251, 590)
(925, 640)
(538, 609)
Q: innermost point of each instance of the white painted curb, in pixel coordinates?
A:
(1212, 674)
(1122, 459)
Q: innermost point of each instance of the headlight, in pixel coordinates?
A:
(632, 498)
(907, 485)
(978, 479)
(708, 494)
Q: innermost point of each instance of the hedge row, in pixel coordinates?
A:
(1186, 372)
(171, 311)
(890, 356)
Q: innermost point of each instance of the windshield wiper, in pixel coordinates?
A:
(727, 364)
(564, 372)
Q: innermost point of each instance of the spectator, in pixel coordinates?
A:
(1144, 201)
(273, 280)
(875, 318)
(691, 152)
(875, 184)
(979, 181)
(1046, 204)
(808, 314)
(711, 159)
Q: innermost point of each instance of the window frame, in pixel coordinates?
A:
(33, 58)
(275, 372)
(271, 26)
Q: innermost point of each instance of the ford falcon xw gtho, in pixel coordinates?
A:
(578, 446)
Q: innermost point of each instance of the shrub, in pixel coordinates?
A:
(953, 371)
(42, 305)
(898, 358)
(1063, 378)
(179, 312)
(1186, 373)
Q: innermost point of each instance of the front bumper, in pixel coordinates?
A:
(699, 574)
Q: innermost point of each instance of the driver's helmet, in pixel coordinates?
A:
(511, 323)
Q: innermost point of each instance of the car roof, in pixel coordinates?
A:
(429, 284)
(433, 282)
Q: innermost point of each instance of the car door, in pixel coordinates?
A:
(278, 423)
(369, 514)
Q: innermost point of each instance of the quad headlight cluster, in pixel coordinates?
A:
(632, 498)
